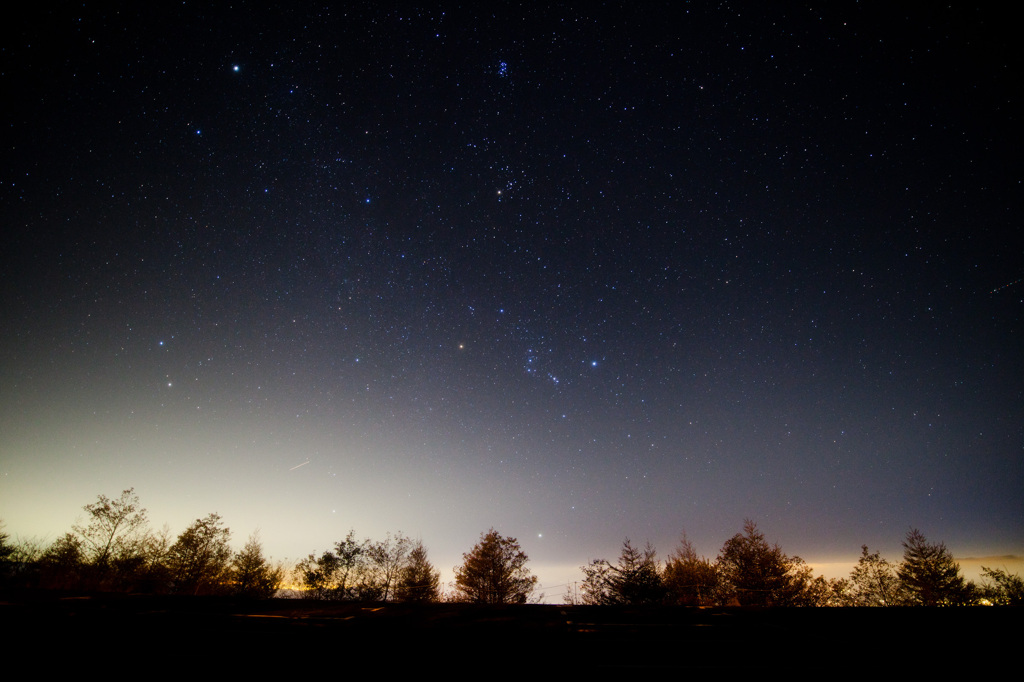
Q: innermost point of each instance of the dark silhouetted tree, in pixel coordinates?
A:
(806, 589)
(7, 556)
(384, 562)
(633, 580)
(821, 591)
(929, 572)
(340, 574)
(23, 562)
(252, 575)
(690, 580)
(156, 573)
(350, 578)
(113, 538)
(596, 586)
(1005, 589)
(6, 548)
(318, 576)
(494, 572)
(198, 560)
(418, 581)
(874, 581)
(62, 563)
(758, 574)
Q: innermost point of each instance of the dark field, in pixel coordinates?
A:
(296, 638)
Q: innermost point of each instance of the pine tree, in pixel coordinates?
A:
(419, 581)
(494, 572)
(252, 575)
(929, 572)
(690, 580)
(634, 580)
(758, 574)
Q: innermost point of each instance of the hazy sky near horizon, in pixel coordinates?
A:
(576, 273)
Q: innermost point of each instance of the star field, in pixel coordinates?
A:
(572, 272)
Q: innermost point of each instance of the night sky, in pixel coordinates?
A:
(576, 273)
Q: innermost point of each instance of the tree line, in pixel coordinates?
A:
(114, 549)
(751, 572)
(397, 569)
(393, 569)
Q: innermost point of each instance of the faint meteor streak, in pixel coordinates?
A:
(299, 465)
(997, 289)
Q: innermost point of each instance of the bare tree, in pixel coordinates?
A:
(385, 560)
(339, 574)
(156, 548)
(115, 530)
(350, 574)
(23, 562)
(6, 547)
(822, 591)
(874, 581)
(1005, 588)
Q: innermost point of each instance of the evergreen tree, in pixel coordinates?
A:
(690, 580)
(419, 581)
(494, 572)
(758, 574)
(634, 580)
(929, 572)
(252, 575)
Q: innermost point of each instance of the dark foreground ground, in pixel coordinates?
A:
(296, 639)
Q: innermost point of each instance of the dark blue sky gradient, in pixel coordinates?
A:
(576, 273)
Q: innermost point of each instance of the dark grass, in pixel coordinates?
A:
(299, 638)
